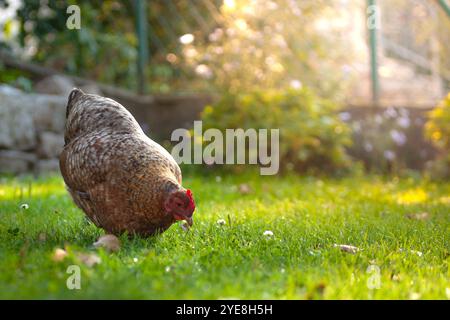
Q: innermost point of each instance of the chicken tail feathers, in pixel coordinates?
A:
(73, 95)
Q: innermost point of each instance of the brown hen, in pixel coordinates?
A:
(121, 179)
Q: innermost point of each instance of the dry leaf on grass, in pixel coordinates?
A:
(89, 259)
(244, 188)
(418, 216)
(59, 255)
(42, 237)
(109, 242)
(414, 296)
(347, 248)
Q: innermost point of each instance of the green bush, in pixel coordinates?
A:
(312, 137)
(437, 129)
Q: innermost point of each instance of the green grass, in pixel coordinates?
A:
(306, 215)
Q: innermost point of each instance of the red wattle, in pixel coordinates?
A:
(191, 199)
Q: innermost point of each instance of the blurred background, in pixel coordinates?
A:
(352, 85)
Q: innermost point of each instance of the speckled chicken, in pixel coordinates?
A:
(124, 181)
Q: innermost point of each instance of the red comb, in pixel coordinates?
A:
(191, 199)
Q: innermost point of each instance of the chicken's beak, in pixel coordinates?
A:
(190, 221)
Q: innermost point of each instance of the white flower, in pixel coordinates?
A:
(190, 53)
(398, 137)
(187, 38)
(403, 122)
(167, 269)
(368, 147)
(24, 206)
(216, 35)
(272, 5)
(204, 71)
(218, 178)
(231, 32)
(403, 112)
(389, 155)
(294, 8)
(9, 12)
(346, 69)
(356, 126)
(390, 113)
(221, 222)
(229, 4)
(418, 253)
(378, 119)
(135, 260)
(345, 116)
(268, 233)
(218, 50)
(296, 84)
(279, 41)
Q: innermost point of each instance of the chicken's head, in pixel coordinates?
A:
(180, 204)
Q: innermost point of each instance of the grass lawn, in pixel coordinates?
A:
(401, 226)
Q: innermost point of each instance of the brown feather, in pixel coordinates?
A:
(113, 171)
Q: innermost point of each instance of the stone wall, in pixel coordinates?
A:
(31, 130)
(32, 126)
(160, 115)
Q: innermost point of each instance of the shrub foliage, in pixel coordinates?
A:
(312, 137)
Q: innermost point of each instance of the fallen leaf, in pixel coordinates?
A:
(414, 296)
(396, 277)
(59, 255)
(89, 259)
(347, 248)
(109, 242)
(42, 236)
(244, 188)
(418, 216)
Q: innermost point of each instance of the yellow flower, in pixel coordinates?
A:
(436, 135)
(412, 196)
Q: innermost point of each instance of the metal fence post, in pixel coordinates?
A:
(444, 5)
(373, 53)
(142, 35)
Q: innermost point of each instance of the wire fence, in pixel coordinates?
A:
(412, 49)
(211, 45)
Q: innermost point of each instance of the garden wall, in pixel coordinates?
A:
(32, 126)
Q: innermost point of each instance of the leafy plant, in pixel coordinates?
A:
(437, 129)
(382, 139)
(274, 44)
(312, 137)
